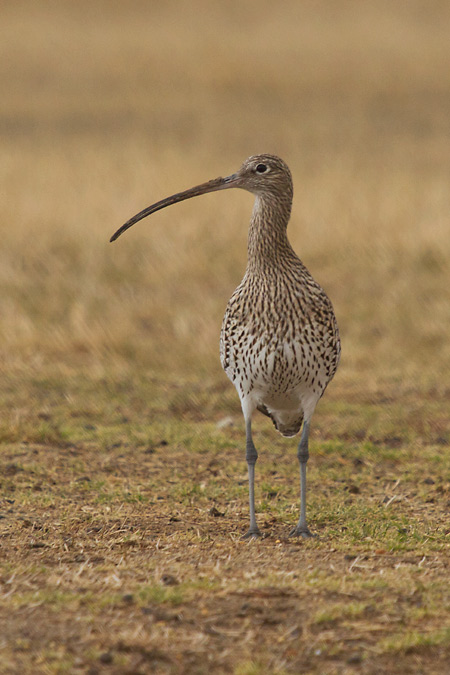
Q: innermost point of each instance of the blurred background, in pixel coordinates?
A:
(108, 106)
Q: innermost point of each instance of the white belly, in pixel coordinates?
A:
(286, 379)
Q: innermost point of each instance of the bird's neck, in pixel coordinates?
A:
(268, 244)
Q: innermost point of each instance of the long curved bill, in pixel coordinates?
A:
(210, 186)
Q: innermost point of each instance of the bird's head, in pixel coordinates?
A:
(262, 175)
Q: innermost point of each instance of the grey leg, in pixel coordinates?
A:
(251, 456)
(301, 529)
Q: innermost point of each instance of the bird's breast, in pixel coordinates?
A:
(279, 344)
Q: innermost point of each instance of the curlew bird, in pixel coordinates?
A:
(279, 343)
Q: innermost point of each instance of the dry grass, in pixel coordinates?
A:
(112, 389)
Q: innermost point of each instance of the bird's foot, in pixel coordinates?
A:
(253, 533)
(301, 531)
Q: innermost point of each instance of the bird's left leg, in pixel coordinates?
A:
(301, 529)
(251, 456)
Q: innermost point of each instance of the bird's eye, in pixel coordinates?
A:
(261, 168)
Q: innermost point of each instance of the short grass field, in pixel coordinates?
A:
(122, 470)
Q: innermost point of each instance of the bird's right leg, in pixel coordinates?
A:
(251, 456)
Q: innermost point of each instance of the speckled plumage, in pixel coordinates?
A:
(279, 343)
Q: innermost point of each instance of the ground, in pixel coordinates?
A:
(121, 548)
(123, 486)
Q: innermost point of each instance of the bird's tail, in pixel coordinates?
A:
(287, 423)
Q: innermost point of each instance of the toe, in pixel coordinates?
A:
(301, 532)
(252, 534)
